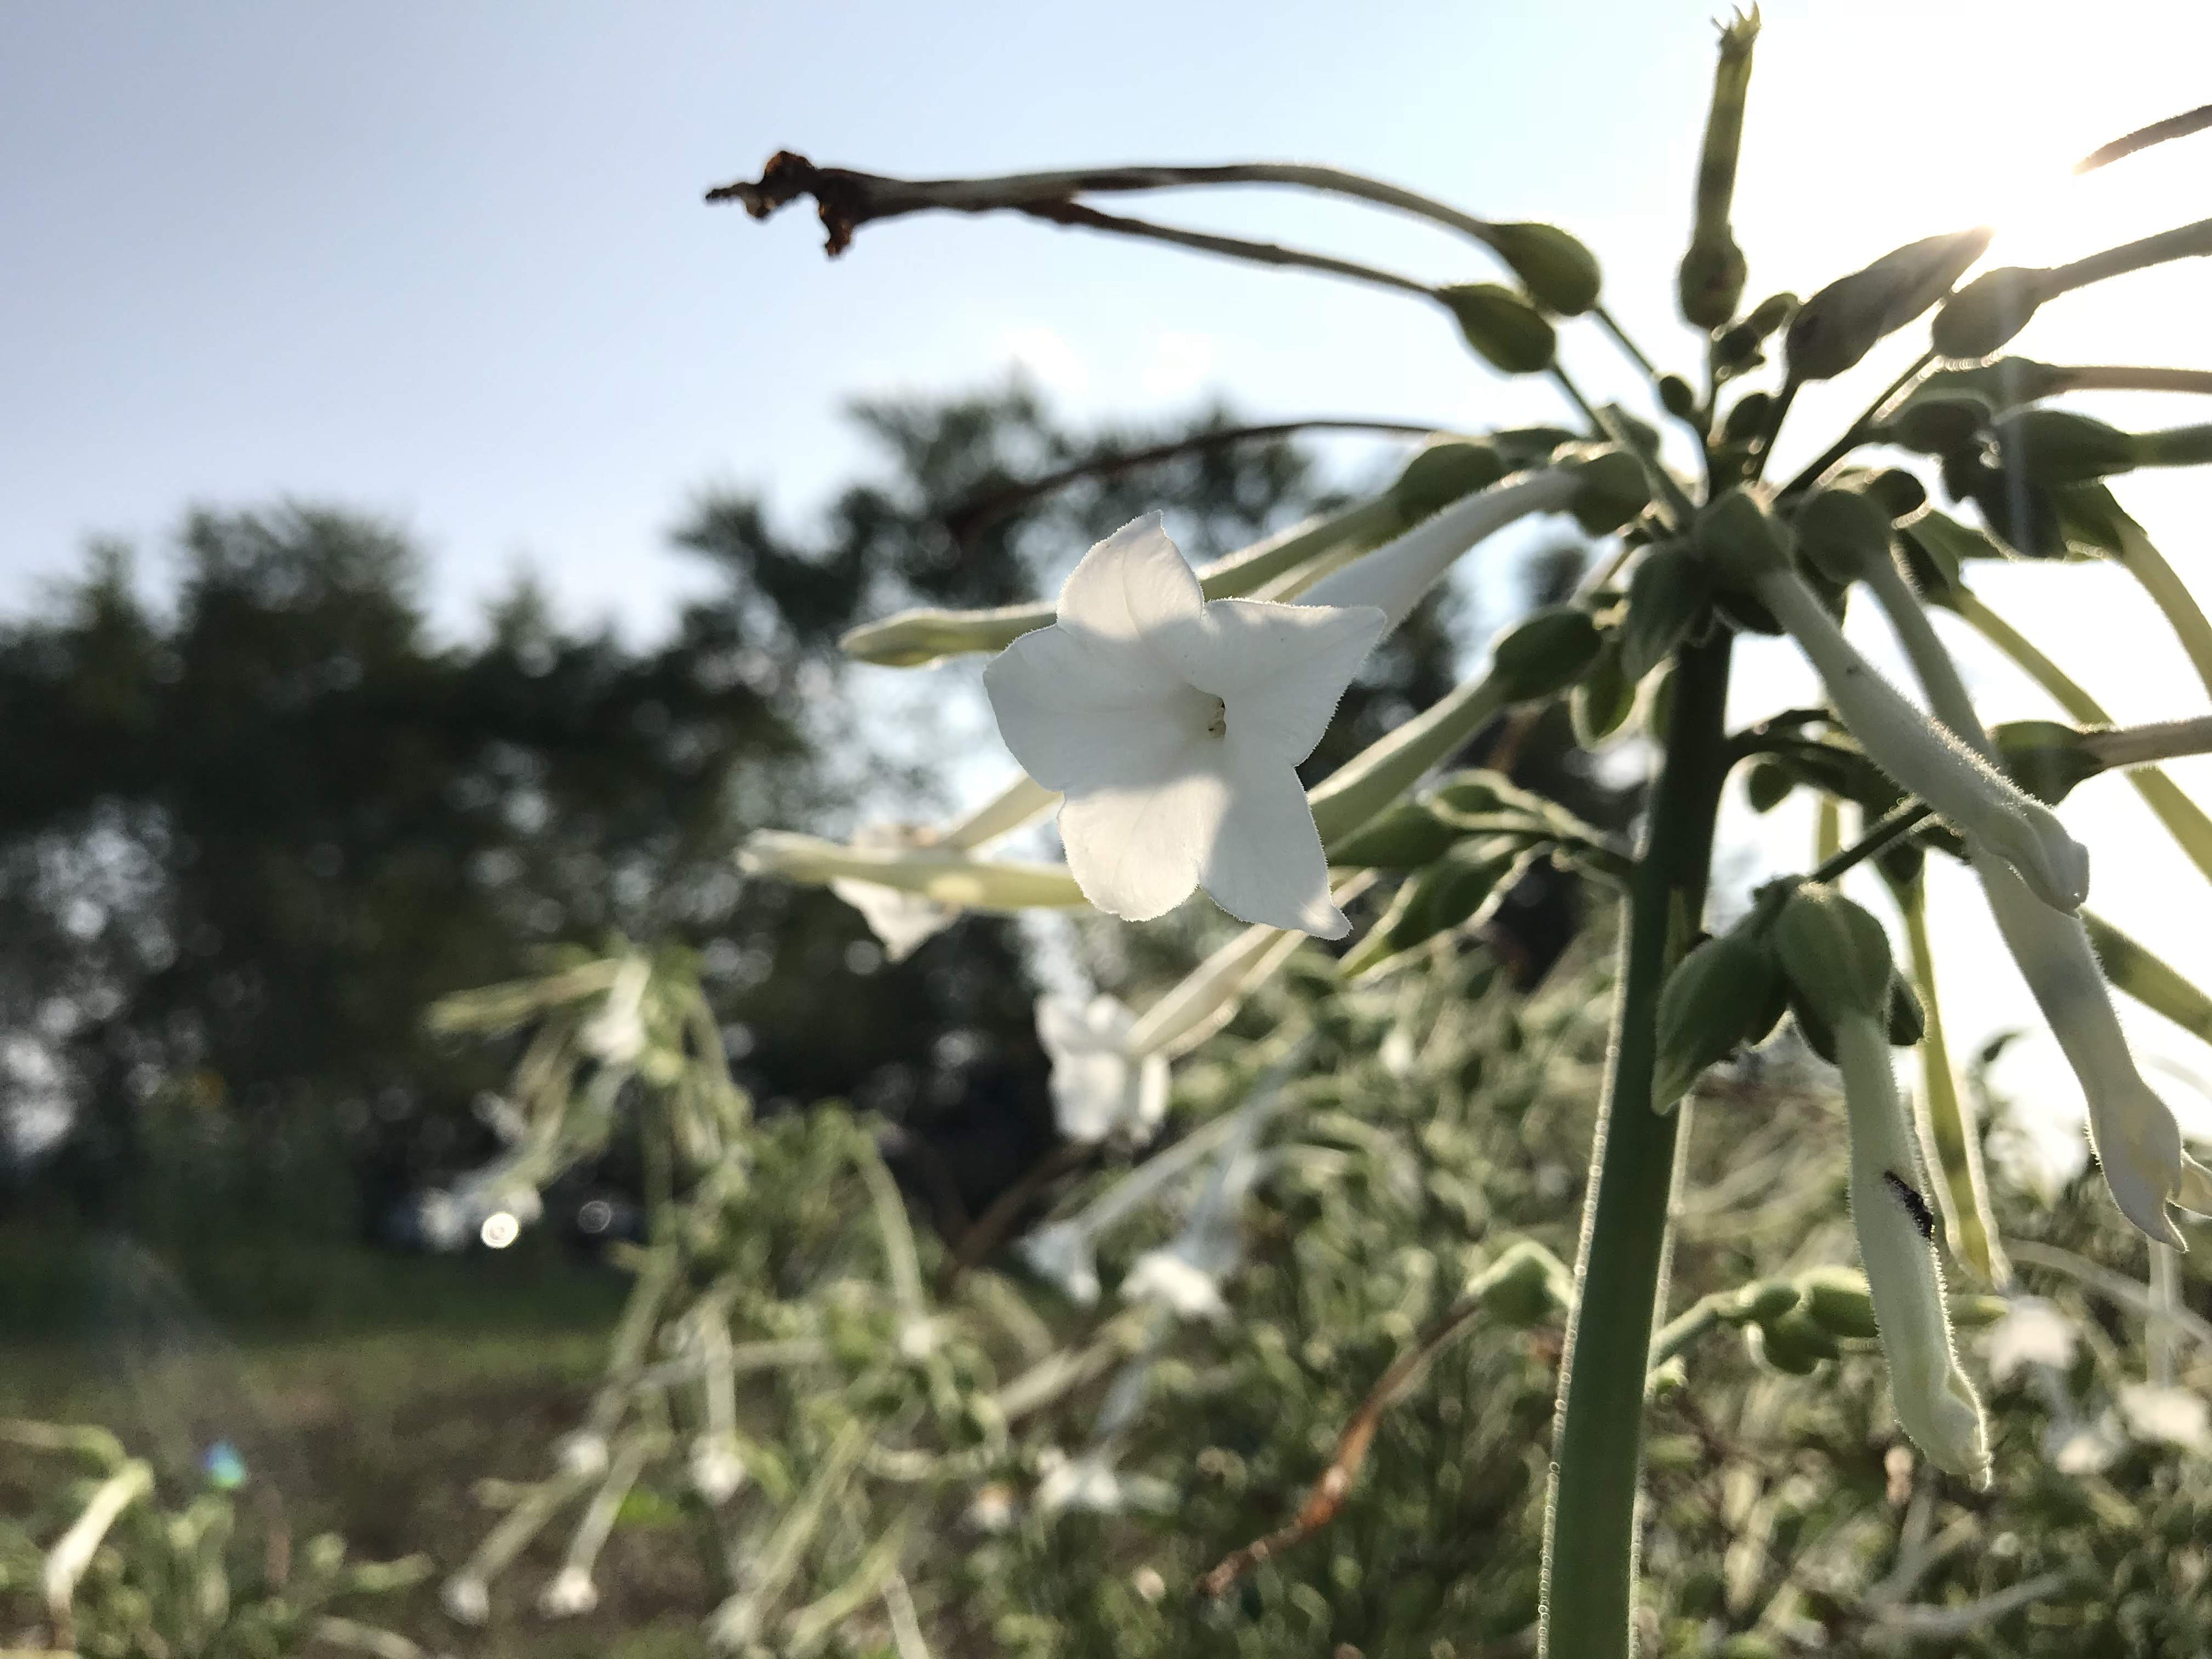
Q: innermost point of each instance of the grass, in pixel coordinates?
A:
(372, 1392)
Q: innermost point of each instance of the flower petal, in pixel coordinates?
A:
(1136, 849)
(1279, 670)
(1080, 712)
(1267, 864)
(1134, 584)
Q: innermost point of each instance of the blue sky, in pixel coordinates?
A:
(449, 263)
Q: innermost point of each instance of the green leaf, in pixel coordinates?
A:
(1668, 593)
(1604, 697)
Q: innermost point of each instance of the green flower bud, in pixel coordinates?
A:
(1708, 1007)
(1844, 320)
(2053, 447)
(1711, 282)
(1611, 490)
(1405, 837)
(1762, 1302)
(1748, 418)
(1939, 426)
(1768, 784)
(1769, 313)
(1735, 351)
(1504, 329)
(1676, 397)
(1838, 1301)
(1604, 696)
(1442, 471)
(1980, 318)
(1560, 274)
(1740, 540)
(1971, 1312)
(1545, 654)
(1666, 593)
(1836, 955)
(1443, 894)
(1838, 532)
(2045, 757)
(1896, 492)
(1526, 1285)
(1906, 1021)
(1793, 1344)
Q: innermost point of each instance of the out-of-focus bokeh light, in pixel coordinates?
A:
(499, 1229)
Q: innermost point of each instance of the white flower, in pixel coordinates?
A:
(901, 921)
(1934, 1402)
(2031, 1333)
(1393, 578)
(1099, 1085)
(716, 1468)
(1090, 1483)
(466, 1599)
(1062, 1253)
(2076, 1448)
(992, 1510)
(2174, 1417)
(582, 1454)
(1167, 1278)
(1932, 762)
(443, 1219)
(1175, 727)
(567, 1593)
(616, 1034)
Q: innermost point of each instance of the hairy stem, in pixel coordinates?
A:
(2170, 594)
(1590, 1551)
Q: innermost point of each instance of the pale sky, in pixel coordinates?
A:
(449, 263)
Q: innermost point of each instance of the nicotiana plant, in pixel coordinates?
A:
(1161, 710)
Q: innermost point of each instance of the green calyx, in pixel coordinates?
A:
(1835, 955)
(1442, 471)
(1838, 325)
(1502, 328)
(1739, 539)
(1546, 653)
(1983, 316)
(1668, 593)
(1840, 531)
(1726, 994)
(1610, 488)
(2050, 447)
(1560, 274)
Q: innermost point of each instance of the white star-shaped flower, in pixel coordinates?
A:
(1098, 1084)
(1174, 726)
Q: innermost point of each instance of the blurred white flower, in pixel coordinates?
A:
(902, 922)
(568, 1594)
(992, 1508)
(2031, 1333)
(2077, 1448)
(717, 1469)
(582, 1454)
(1175, 727)
(616, 1034)
(1090, 1483)
(1099, 1086)
(1168, 1279)
(466, 1599)
(2172, 1416)
(1062, 1253)
(443, 1219)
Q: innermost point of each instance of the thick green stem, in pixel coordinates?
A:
(1590, 1542)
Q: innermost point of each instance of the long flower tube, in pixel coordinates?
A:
(2137, 1141)
(949, 877)
(1396, 577)
(1837, 959)
(1987, 807)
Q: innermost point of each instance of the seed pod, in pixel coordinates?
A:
(1708, 1006)
(1504, 329)
(1546, 653)
(2050, 447)
(1676, 397)
(1560, 274)
(1793, 1344)
(1442, 471)
(1896, 492)
(1747, 419)
(1836, 955)
(1844, 320)
(1668, 593)
(1980, 318)
(1740, 540)
(1838, 1301)
(1612, 490)
(1939, 426)
(1839, 532)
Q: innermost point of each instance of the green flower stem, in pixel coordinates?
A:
(1964, 1192)
(1855, 434)
(2149, 567)
(2131, 966)
(1589, 1550)
(2183, 818)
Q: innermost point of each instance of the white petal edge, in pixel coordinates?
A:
(1266, 864)
(1136, 852)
